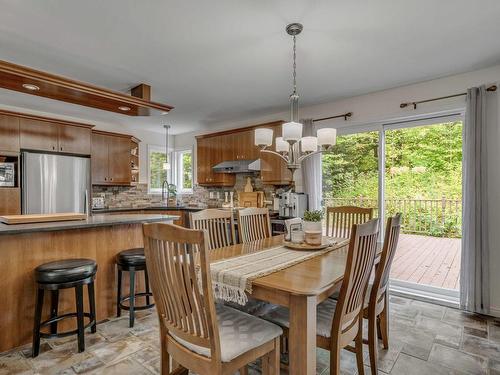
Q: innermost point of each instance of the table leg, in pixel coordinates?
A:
(302, 335)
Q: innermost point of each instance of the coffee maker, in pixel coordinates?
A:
(292, 204)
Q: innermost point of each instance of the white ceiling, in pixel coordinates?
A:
(224, 60)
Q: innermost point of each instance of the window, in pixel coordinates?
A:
(156, 173)
(184, 171)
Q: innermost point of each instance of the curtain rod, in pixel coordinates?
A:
(414, 104)
(345, 116)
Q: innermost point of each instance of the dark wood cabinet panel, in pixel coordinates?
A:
(212, 151)
(9, 133)
(201, 162)
(99, 159)
(10, 201)
(39, 135)
(111, 159)
(74, 139)
(119, 160)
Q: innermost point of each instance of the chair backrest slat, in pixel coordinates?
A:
(340, 219)
(177, 263)
(391, 238)
(360, 260)
(218, 223)
(253, 224)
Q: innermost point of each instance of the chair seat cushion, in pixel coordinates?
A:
(324, 315)
(239, 333)
(132, 257)
(64, 271)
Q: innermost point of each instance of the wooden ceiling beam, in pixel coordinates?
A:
(35, 82)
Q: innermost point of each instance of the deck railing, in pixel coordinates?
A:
(432, 217)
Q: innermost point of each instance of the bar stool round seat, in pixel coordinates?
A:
(131, 257)
(131, 261)
(64, 274)
(65, 271)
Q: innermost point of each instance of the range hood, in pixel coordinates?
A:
(238, 166)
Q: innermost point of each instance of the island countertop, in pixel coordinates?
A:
(93, 221)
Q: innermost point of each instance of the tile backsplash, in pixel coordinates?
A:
(137, 196)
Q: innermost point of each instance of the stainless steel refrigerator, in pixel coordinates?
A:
(54, 183)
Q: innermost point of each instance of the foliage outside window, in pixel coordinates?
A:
(156, 173)
(184, 171)
(423, 176)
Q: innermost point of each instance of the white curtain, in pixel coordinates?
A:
(311, 173)
(474, 273)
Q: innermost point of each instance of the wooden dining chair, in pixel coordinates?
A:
(340, 322)
(196, 334)
(376, 308)
(218, 223)
(253, 224)
(339, 220)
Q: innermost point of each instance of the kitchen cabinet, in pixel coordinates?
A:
(212, 151)
(74, 139)
(9, 133)
(10, 201)
(238, 145)
(243, 146)
(41, 135)
(111, 159)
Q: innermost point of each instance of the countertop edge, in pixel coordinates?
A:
(112, 220)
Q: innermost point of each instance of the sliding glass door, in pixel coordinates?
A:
(423, 182)
(414, 168)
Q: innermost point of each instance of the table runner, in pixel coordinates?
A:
(232, 278)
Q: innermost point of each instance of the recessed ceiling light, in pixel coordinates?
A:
(124, 108)
(31, 87)
(164, 113)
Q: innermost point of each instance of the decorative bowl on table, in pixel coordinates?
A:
(325, 242)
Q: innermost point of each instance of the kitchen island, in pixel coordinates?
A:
(25, 246)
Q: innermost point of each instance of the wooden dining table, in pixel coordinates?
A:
(300, 288)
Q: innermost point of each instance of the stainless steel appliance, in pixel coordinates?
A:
(54, 183)
(292, 204)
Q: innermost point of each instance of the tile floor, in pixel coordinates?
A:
(425, 339)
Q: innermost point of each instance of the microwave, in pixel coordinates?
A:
(7, 174)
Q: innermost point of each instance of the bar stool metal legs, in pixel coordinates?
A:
(54, 276)
(131, 298)
(132, 261)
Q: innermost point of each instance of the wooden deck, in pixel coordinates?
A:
(428, 260)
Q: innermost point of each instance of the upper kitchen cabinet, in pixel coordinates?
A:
(236, 145)
(39, 135)
(42, 135)
(75, 139)
(114, 158)
(212, 150)
(9, 133)
(243, 146)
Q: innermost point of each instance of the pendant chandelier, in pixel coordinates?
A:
(291, 146)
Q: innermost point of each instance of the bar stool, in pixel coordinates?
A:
(131, 261)
(64, 274)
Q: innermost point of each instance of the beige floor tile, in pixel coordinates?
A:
(458, 360)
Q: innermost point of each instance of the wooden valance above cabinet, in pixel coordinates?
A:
(238, 144)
